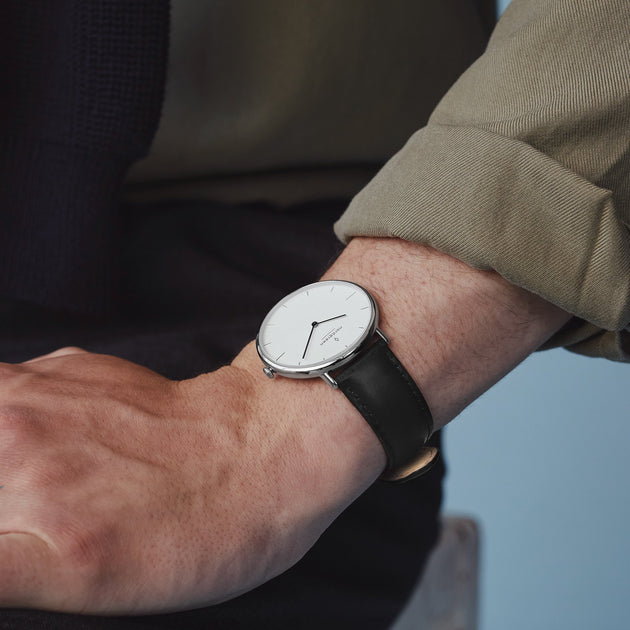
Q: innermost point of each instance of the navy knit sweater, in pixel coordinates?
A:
(81, 88)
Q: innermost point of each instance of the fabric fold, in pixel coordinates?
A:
(524, 168)
(538, 224)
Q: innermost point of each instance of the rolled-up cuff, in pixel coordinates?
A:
(497, 203)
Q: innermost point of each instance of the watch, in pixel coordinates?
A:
(329, 329)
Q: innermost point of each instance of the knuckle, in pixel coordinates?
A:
(9, 371)
(83, 549)
(50, 474)
(18, 424)
(89, 553)
(65, 469)
(56, 354)
(71, 350)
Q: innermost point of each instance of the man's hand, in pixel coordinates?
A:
(125, 492)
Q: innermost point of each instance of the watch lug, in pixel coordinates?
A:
(382, 335)
(330, 380)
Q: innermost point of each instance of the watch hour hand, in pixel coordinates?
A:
(313, 326)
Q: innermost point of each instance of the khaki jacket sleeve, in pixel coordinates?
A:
(524, 168)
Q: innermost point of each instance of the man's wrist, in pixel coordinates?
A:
(332, 434)
(456, 329)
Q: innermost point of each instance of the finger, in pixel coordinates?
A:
(58, 353)
(26, 571)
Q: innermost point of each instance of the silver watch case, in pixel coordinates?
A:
(427, 454)
(323, 370)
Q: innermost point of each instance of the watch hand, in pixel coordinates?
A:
(331, 318)
(313, 325)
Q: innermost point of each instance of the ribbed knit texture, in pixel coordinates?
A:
(82, 86)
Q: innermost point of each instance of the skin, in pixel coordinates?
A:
(126, 493)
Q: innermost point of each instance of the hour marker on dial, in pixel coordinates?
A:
(316, 327)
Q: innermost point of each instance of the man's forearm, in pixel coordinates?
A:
(456, 329)
(251, 471)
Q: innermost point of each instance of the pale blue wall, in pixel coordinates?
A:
(543, 461)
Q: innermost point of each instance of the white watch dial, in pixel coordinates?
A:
(316, 326)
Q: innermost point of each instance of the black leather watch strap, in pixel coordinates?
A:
(378, 385)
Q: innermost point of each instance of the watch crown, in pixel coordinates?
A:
(269, 372)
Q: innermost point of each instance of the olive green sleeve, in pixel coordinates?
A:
(524, 168)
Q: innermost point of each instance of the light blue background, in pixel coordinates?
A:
(501, 4)
(542, 461)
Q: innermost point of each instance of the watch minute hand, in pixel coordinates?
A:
(331, 318)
